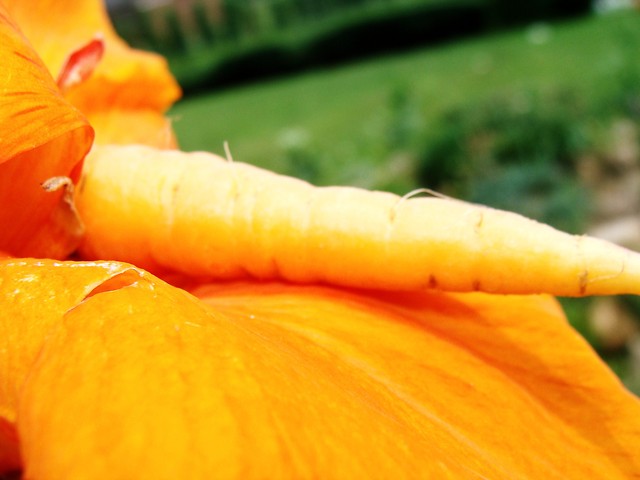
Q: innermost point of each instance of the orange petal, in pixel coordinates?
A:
(133, 126)
(124, 79)
(9, 448)
(142, 380)
(43, 136)
(35, 295)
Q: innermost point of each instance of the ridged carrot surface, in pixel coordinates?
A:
(205, 216)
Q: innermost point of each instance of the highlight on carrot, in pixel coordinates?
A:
(199, 214)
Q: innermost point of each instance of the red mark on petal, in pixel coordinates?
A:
(81, 64)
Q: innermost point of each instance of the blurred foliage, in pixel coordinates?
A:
(398, 109)
(251, 39)
(266, 45)
(515, 152)
(174, 36)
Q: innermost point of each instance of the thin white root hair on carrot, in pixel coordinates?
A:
(474, 210)
(230, 161)
(231, 221)
(590, 280)
(227, 151)
(412, 194)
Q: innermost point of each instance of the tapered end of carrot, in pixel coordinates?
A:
(484, 249)
(607, 269)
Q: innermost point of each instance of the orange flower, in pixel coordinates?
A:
(43, 135)
(296, 382)
(125, 97)
(108, 372)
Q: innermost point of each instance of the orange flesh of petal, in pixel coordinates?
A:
(47, 137)
(124, 80)
(295, 382)
(123, 126)
(35, 295)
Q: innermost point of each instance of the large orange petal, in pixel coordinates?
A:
(142, 380)
(34, 296)
(125, 80)
(43, 136)
(33, 301)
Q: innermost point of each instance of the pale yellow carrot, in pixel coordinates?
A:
(205, 216)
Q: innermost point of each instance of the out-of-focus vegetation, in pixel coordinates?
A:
(219, 42)
(537, 97)
(542, 119)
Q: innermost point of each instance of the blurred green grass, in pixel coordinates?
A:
(337, 111)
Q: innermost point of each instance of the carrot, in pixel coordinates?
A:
(204, 216)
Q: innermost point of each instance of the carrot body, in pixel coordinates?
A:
(204, 216)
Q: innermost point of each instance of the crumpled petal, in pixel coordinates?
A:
(43, 137)
(124, 81)
(81, 64)
(276, 381)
